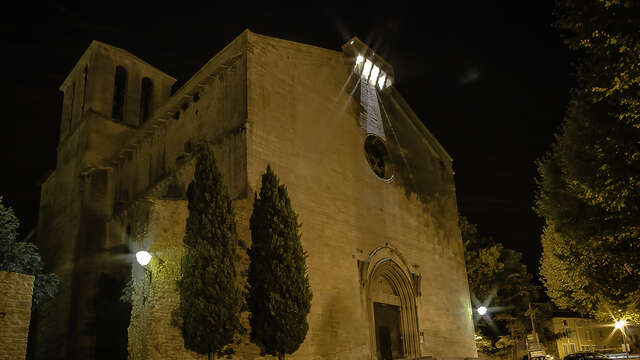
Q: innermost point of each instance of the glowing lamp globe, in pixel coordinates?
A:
(620, 324)
(482, 310)
(143, 257)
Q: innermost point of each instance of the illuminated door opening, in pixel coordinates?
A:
(388, 335)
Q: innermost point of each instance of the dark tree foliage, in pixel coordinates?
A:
(23, 257)
(500, 281)
(605, 34)
(210, 299)
(279, 296)
(589, 183)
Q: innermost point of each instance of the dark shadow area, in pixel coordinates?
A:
(388, 337)
(112, 318)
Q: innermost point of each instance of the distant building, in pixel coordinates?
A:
(590, 335)
(373, 188)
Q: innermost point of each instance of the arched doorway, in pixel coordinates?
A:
(392, 309)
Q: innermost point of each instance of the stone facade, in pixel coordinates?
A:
(120, 183)
(15, 314)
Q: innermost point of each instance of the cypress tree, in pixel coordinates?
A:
(210, 300)
(279, 297)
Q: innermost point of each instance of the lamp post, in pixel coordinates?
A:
(620, 325)
(144, 257)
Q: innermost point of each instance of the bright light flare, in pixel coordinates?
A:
(374, 75)
(482, 310)
(381, 80)
(620, 324)
(366, 70)
(143, 257)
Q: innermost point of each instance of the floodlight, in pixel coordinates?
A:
(374, 75)
(367, 69)
(381, 80)
(482, 310)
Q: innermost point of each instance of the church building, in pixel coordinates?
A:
(373, 189)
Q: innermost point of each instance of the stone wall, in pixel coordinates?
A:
(304, 122)
(155, 295)
(15, 314)
(105, 165)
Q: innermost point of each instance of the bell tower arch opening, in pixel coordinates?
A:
(392, 310)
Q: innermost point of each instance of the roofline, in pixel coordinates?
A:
(355, 46)
(396, 96)
(96, 44)
(46, 177)
(164, 113)
(268, 37)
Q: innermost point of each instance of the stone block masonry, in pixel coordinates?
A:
(379, 218)
(15, 313)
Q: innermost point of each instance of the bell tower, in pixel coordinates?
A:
(108, 94)
(111, 85)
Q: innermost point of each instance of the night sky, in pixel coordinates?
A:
(489, 79)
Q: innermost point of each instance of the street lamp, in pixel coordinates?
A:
(482, 310)
(620, 325)
(143, 257)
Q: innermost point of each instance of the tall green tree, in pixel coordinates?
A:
(23, 257)
(279, 297)
(589, 182)
(500, 281)
(605, 36)
(210, 299)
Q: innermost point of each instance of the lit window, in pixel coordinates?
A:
(367, 69)
(374, 75)
(359, 59)
(565, 348)
(388, 82)
(573, 348)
